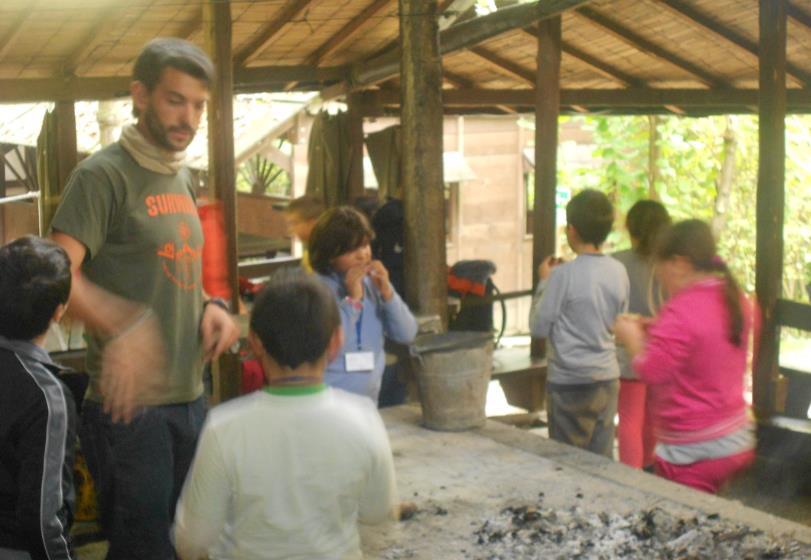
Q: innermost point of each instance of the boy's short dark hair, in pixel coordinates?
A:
(34, 280)
(338, 231)
(306, 207)
(294, 317)
(591, 214)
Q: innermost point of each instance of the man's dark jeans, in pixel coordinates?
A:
(138, 470)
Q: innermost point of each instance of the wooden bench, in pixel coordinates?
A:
(522, 377)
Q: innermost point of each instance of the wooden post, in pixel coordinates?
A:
(356, 188)
(221, 166)
(770, 197)
(547, 110)
(423, 186)
(66, 159)
(2, 194)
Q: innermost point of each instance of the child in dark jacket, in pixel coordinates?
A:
(37, 411)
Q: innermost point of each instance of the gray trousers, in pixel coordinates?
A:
(583, 415)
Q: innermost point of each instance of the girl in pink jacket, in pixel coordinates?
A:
(693, 357)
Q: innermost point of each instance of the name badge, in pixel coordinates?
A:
(360, 361)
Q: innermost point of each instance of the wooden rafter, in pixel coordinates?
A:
(504, 65)
(608, 70)
(193, 26)
(348, 31)
(710, 24)
(14, 30)
(90, 40)
(797, 14)
(466, 35)
(262, 41)
(635, 40)
(456, 80)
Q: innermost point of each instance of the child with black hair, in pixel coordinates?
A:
(286, 472)
(37, 408)
(575, 306)
(645, 221)
(370, 307)
(693, 357)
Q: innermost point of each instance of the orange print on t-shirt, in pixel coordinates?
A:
(179, 259)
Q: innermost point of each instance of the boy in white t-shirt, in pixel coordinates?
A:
(287, 472)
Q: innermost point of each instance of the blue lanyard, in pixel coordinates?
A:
(358, 327)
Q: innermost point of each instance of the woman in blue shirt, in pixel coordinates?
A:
(371, 309)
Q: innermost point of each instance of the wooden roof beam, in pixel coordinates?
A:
(14, 30)
(710, 25)
(246, 80)
(262, 41)
(642, 44)
(640, 98)
(348, 31)
(466, 35)
(798, 15)
(504, 66)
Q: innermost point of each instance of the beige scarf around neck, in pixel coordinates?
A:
(148, 155)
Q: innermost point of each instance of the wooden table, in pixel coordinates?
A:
(473, 475)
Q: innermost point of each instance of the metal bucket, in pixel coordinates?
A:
(453, 370)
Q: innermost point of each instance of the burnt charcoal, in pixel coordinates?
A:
(532, 532)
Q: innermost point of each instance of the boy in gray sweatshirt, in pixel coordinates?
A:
(575, 306)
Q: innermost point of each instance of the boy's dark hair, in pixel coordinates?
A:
(306, 207)
(591, 214)
(34, 280)
(645, 222)
(164, 52)
(338, 231)
(295, 316)
(693, 240)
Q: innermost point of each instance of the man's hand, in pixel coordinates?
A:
(380, 277)
(132, 367)
(218, 330)
(353, 281)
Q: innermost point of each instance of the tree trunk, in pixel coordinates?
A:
(653, 156)
(725, 179)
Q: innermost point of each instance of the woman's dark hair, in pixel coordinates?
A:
(295, 316)
(339, 230)
(34, 280)
(645, 222)
(693, 240)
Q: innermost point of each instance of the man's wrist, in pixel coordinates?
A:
(219, 302)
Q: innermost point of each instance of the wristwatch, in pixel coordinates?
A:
(219, 302)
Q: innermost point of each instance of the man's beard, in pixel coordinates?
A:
(160, 134)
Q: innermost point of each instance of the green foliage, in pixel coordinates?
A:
(690, 155)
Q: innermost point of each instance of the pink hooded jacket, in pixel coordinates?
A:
(696, 374)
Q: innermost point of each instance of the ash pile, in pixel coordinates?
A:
(535, 532)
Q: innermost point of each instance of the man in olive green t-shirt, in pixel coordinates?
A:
(128, 220)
